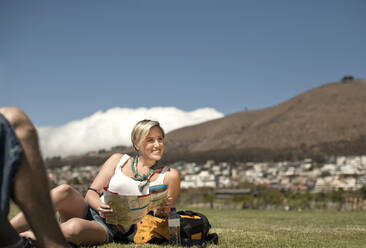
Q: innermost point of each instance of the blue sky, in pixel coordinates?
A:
(65, 60)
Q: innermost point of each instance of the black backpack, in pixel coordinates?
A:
(194, 229)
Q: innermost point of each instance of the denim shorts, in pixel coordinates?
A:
(10, 156)
(111, 230)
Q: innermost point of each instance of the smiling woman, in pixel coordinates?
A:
(147, 138)
(83, 223)
(148, 131)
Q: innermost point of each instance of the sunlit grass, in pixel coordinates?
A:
(257, 228)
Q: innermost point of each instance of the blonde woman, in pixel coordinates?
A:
(83, 220)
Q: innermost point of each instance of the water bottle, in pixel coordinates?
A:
(174, 227)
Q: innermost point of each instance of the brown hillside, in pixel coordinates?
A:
(329, 114)
(329, 120)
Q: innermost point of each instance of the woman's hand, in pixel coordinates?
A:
(164, 211)
(105, 211)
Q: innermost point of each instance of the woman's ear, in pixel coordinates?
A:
(136, 148)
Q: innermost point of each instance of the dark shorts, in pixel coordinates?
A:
(10, 156)
(111, 230)
(113, 234)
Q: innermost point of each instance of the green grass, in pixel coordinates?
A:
(257, 228)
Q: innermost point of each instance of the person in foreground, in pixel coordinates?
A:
(23, 179)
(83, 222)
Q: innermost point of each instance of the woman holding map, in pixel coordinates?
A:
(83, 221)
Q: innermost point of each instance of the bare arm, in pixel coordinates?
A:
(102, 180)
(171, 179)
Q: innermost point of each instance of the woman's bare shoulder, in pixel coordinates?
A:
(172, 173)
(116, 156)
(113, 160)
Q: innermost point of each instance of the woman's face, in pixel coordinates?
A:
(152, 147)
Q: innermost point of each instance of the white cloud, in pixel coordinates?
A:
(103, 130)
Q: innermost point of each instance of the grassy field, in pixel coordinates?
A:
(257, 228)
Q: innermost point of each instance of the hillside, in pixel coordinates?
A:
(328, 119)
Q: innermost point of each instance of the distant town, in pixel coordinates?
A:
(341, 172)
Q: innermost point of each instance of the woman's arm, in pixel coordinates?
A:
(102, 180)
(171, 179)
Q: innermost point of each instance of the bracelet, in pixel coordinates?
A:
(96, 191)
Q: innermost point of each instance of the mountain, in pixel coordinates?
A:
(328, 120)
(325, 121)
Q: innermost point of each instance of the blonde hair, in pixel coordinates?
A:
(141, 131)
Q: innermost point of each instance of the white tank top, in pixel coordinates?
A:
(122, 184)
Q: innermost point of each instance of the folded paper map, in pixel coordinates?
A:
(130, 209)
